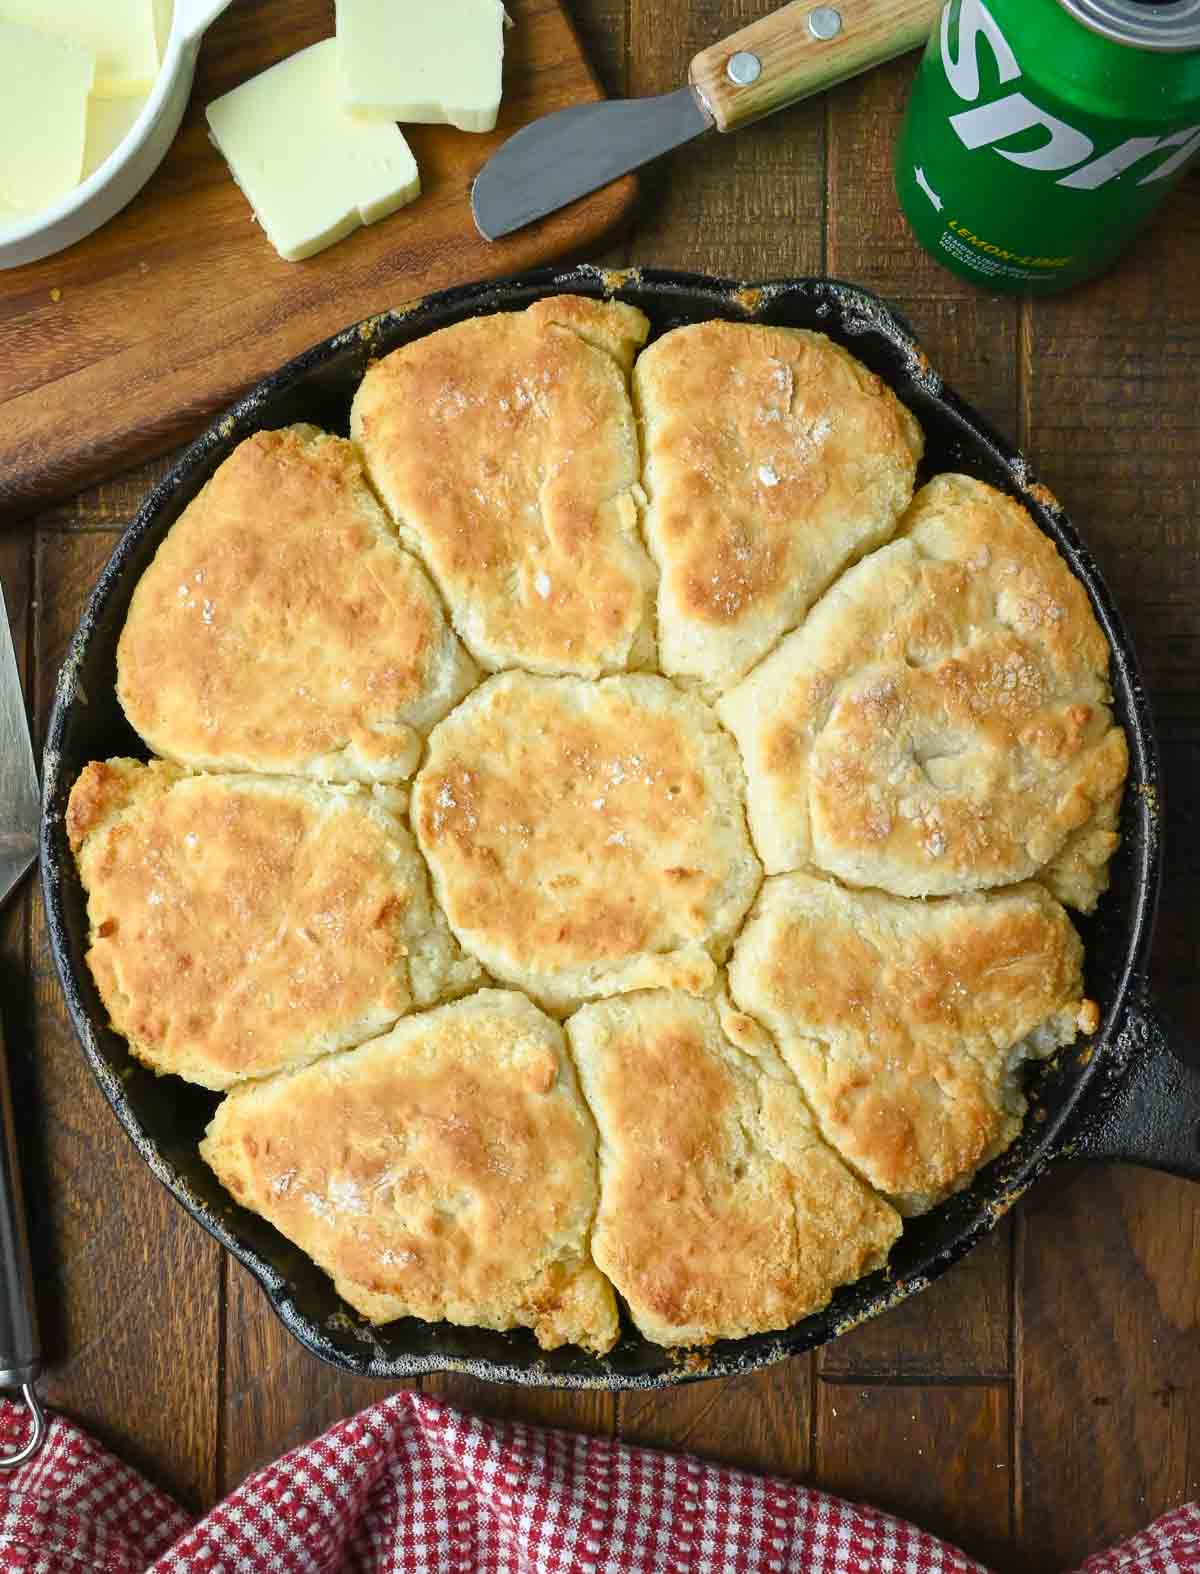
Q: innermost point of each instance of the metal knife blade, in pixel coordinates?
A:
(20, 1348)
(788, 54)
(20, 809)
(563, 156)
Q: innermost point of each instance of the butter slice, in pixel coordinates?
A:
(11, 218)
(44, 87)
(109, 122)
(414, 60)
(164, 15)
(312, 171)
(119, 33)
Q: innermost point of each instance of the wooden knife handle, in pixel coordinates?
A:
(793, 60)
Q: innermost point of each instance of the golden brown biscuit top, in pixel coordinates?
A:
(610, 326)
(505, 447)
(576, 829)
(447, 1169)
(935, 719)
(722, 1212)
(282, 628)
(239, 925)
(904, 1021)
(941, 722)
(773, 458)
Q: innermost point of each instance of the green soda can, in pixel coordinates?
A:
(1041, 134)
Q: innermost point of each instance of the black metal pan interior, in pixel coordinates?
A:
(165, 1117)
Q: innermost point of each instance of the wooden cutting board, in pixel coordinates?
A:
(128, 342)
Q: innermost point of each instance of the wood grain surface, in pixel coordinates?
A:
(1042, 1398)
(126, 342)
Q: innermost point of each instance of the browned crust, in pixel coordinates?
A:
(446, 1170)
(906, 1022)
(506, 450)
(772, 459)
(586, 838)
(722, 1213)
(239, 925)
(282, 628)
(941, 723)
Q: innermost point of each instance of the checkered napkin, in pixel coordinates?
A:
(411, 1485)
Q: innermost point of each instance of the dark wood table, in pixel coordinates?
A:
(1044, 1397)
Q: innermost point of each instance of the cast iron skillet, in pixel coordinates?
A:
(1124, 1094)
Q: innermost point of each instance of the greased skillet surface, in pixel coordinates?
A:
(165, 1118)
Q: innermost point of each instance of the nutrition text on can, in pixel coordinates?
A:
(1041, 134)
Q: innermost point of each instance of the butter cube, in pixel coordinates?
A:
(311, 170)
(415, 61)
(119, 33)
(44, 87)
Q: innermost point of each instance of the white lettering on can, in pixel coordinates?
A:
(1105, 168)
(1006, 117)
(1065, 146)
(974, 19)
(1191, 144)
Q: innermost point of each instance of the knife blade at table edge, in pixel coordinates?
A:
(20, 814)
(562, 156)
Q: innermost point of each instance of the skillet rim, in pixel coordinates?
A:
(1101, 1065)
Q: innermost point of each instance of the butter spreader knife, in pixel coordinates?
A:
(784, 57)
(20, 813)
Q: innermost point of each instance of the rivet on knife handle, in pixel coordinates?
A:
(800, 50)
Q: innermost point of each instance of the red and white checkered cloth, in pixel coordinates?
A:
(411, 1486)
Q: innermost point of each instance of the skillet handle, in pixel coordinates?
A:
(1154, 1119)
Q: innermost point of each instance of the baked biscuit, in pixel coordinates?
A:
(506, 449)
(239, 924)
(282, 628)
(722, 1212)
(586, 838)
(941, 722)
(772, 459)
(445, 1171)
(906, 1023)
